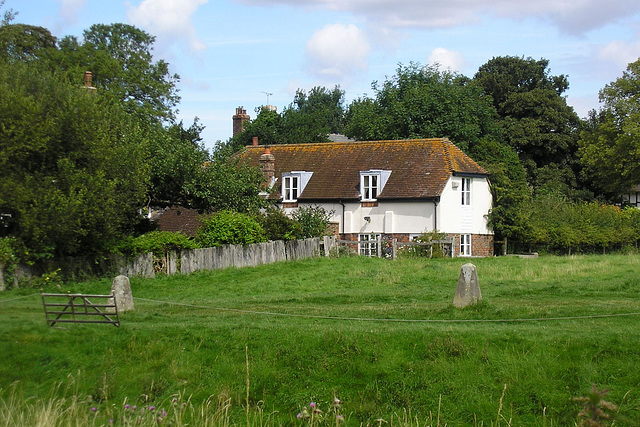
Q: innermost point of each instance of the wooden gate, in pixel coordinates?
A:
(77, 308)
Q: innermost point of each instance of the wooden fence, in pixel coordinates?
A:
(189, 261)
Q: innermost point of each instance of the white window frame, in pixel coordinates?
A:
(465, 245)
(368, 245)
(466, 192)
(370, 186)
(372, 183)
(293, 184)
(290, 188)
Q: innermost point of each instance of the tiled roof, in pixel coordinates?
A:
(420, 167)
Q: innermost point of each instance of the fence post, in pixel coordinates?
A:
(394, 248)
(379, 247)
(504, 247)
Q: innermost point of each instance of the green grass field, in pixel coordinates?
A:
(382, 336)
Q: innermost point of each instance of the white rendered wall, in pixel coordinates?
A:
(451, 211)
(418, 216)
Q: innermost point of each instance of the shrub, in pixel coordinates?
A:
(314, 220)
(158, 242)
(230, 228)
(8, 257)
(278, 226)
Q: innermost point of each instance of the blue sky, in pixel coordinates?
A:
(232, 53)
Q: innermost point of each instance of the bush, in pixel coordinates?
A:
(314, 220)
(278, 226)
(158, 242)
(8, 257)
(230, 228)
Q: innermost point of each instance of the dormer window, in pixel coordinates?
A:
(293, 184)
(372, 183)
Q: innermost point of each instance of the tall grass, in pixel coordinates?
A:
(422, 362)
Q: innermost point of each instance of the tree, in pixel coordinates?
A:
(310, 118)
(24, 42)
(610, 146)
(313, 116)
(511, 195)
(72, 168)
(423, 102)
(120, 56)
(534, 118)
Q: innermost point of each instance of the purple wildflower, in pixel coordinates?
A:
(151, 408)
(299, 415)
(312, 404)
(127, 406)
(94, 409)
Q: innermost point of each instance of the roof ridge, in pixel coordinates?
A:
(381, 141)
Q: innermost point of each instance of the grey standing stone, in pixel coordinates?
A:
(468, 290)
(121, 288)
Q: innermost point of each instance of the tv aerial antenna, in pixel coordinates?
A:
(268, 95)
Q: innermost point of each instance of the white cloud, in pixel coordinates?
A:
(337, 51)
(620, 53)
(447, 59)
(68, 13)
(168, 20)
(570, 16)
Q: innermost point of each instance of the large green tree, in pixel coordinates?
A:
(535, 119)
(311, 117)
(610, 146)
(72, 171)
(120, 56)
(423, 102)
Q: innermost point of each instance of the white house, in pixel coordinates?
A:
(397, 189)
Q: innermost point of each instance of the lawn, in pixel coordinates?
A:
(382, 336)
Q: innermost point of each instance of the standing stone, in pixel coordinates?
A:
(121, 289)
(468, 290)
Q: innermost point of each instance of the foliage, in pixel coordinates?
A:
(534, 116)
(314, 220)
(596, 412)
(310, 118)
(157, 242)
(71, 167)
(8, 258)
(120, 56)
(511, 195)
(230, 228)
(558, 224)
(278, 226)
(610, 146)
(423, 102)
(23, 42)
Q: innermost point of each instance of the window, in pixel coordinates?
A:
(370, 187)
(466, 191)
(368, 245)
(290, 188)
(465, 245)
(372, 182)
(293, 184)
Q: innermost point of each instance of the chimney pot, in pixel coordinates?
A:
(255, 141)
(87, 78)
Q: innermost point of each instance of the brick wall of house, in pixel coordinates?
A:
(481, 244)
(178, 218)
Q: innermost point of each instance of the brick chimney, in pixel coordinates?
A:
(268, 165)
(240, 119)
(88, 76)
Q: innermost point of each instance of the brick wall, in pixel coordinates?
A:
(178, 218)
